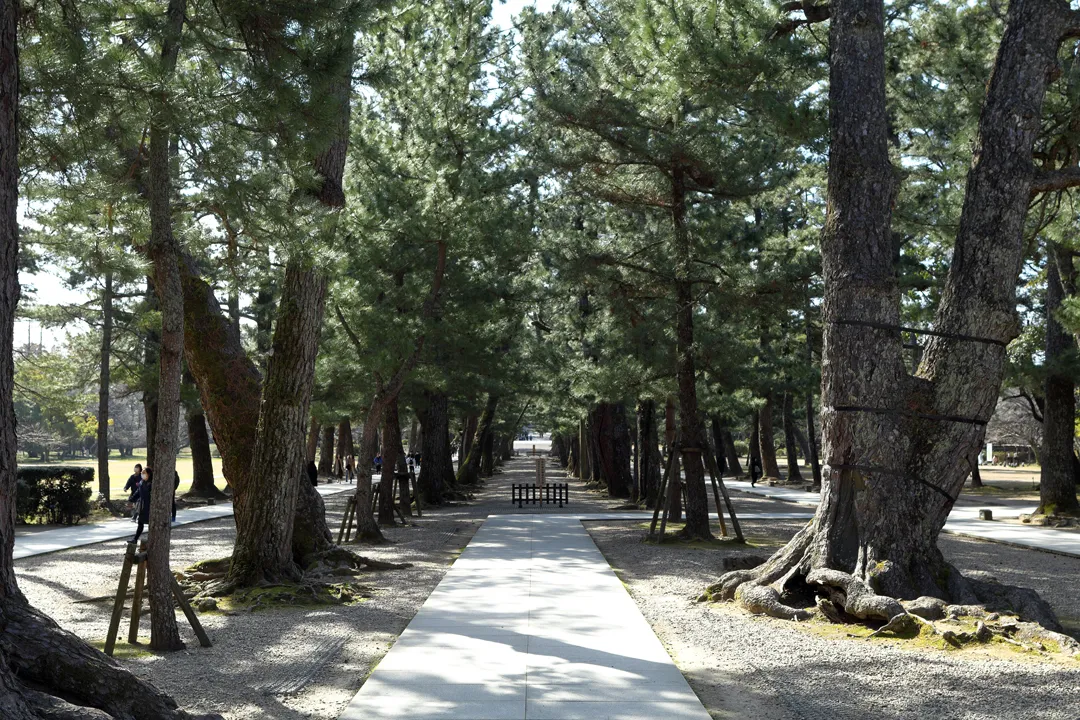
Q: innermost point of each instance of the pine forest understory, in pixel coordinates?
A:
(813, 244)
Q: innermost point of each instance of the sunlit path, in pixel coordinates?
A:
(530, 622)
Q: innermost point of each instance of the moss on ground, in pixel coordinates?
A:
(952, 635)
(294, 596)
(123, 651)
(717, 543)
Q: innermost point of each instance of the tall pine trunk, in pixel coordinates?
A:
(103, 386)
(1057, 483)
(469, 474)
(670, 435)
(264, 520)
(344, 445)
(435, 454)
(692, 435)
(733, 465)
(790, 445)
(767, 439)
(164, 254)
(649, 452)
(151, 378)
(391, 450)
(898, 447)
(202, 462)
(754, 443)
(326, 450)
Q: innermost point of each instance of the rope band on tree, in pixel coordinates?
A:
(898, 329)
(896, 473)
(909, 413)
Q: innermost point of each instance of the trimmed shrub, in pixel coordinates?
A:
(54, 494)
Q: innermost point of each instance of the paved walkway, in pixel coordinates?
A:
(962, 521)
(530, 622)
(47, 541)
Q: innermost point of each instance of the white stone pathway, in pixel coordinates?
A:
(47, 541)
(529, 623)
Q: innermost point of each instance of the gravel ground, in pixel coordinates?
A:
(747, 666)
(291, 663)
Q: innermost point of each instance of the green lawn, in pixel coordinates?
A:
(121, 468)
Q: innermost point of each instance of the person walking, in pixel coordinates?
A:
(313, 473)
(755, 470)
(350, 468)
(132, 488)
(145, 488)
(175, 486)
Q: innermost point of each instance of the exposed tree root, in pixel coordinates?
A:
(788, 586)
(852, 594)
(61, 677)
(339, 557)
(210, 578)
(765, 600)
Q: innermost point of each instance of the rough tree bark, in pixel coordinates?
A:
(613, 444)
(264, 551)
(487, 454)
(811, 431)
(733, 465)
(649, 453)
(414, 435)
(790, 444)
(312, 440)
(675, 514)
(163, 253)
(103, 386)
(584, 460)
(897, 447)
(435, 455)
(202, 462)
(151, 350)
(391, 450)
(326, 450)
(767, 439)
(469, 474)
(800, 440)
(468, 436)
(344, 445)
(754, 443)
(1057, 484)
(697, 507)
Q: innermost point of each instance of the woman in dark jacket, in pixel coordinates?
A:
(144, 501)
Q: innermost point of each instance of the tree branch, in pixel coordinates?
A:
(1053, 180)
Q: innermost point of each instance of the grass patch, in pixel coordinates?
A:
(123, 651)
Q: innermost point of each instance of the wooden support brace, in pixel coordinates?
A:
(661, 494)
(192, 619)
(118, 604)
(136, 603)
(718, 481)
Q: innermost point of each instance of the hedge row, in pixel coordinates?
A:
(53, 494)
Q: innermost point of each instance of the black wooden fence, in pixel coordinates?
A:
(548, 494)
